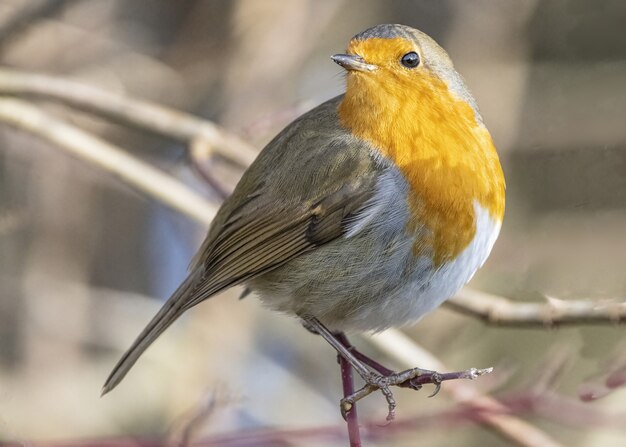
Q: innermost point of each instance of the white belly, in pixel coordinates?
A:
(418, 298)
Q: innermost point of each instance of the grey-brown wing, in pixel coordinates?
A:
(249, 246)
(301, 192)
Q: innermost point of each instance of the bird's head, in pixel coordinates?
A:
(399, 63)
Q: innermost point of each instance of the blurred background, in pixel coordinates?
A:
(85, 261)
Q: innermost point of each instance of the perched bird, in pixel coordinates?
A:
(365, 213)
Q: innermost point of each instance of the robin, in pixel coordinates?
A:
(365, 213)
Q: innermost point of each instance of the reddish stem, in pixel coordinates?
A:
(348, 388)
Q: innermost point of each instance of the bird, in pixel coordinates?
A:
(365, 213)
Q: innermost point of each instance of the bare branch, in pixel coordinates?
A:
(142, 114)
(200, 158)
(500, 311)
(197, 420)
(142, 176)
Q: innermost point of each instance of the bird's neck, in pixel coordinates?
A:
(444, 152)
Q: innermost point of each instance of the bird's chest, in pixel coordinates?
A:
(445, 156)
(446, 198)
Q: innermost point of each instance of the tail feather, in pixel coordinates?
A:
(171, 310)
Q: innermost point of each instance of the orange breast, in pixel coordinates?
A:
(447, 157)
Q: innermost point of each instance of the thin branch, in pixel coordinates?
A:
(197, 420)
(200, 159)
(142, 114)
(352, 418)
(142, 176)
(500, 311)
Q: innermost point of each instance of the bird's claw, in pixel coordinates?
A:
(437, 379)
(347, 403)
(375, 381)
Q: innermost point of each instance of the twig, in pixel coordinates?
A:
(416, 383)
(108, 157)
(500, 311)
(162, 187)
(197, 420)
(200, 156)
(352, 419)
(143, 114)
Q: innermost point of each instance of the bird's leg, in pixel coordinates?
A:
(412, 383)
(362, 357)
(315, 326)
(374, 380)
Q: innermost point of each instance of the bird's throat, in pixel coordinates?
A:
(445, 154)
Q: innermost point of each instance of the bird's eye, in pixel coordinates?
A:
(410, 60)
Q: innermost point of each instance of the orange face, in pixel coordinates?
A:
(434, 138)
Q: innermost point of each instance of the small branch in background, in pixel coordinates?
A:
(196, 423)
(500, 311)
(142, 114)
(200, 153)
(609, 378)
(539, 395)
(142, 176)
(197, 420)
(563, 410)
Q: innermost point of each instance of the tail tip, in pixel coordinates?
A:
(105, 389)
(108, 386)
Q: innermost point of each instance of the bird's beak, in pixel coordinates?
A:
(352, 62)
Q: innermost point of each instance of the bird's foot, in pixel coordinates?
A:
(413, 378)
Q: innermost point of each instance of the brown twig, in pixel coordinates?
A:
(500, 311)
(142, 114)
(107, 157)
(200, 157)
(197, 420)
